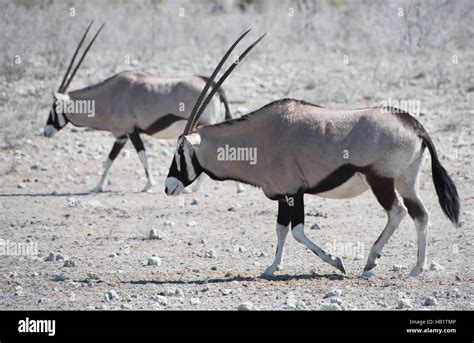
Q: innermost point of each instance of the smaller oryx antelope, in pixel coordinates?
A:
(307, 149)
(131, 103)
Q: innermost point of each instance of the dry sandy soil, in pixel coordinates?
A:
(44, 186)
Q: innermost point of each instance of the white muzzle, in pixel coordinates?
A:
(173, 186)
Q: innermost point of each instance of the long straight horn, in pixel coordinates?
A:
(60, 90)
(209, 83)
(82, 58)
(221, 81)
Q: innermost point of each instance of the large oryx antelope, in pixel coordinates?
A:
(304, 148)
(131, 103)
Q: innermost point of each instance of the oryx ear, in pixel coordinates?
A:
(194, 139)
(61, 97)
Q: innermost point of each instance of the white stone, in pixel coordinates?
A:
(155, 234)
(169, 291)
(330, 307)
(194, 301)
(436, 266)
(404, 304)
(210, 254)
(336, 300)
(59, 277)
(111, 295)
(226, 291)
(69, 263)
(51, 257)
(430, 301)
(162, 300)
(334, 293)
(247, 306)
(154, 261)
(239, 249)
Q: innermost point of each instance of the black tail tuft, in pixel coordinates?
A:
(444, 185)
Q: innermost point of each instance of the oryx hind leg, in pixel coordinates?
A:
(138, 144)
(282, 228)
(118, 145)
(384, 190)
(407, 185)
(296, 205)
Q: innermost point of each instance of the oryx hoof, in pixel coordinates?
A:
(97, 189)
(147, 188)
(370, 266)
(270, 271)
(367, 274)
(372, 261)
(340, 265)
(416, 271)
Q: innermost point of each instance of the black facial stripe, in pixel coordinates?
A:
(50, 119)
(182, 163)
(55, 120)
(173, 168)
(196, 165)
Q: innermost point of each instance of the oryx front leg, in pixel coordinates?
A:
(296, 205)
(282, 227)
(118, 145)
(138, 144)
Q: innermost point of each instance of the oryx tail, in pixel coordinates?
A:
(444, 185)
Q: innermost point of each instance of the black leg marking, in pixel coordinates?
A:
(136, 140)
(118, 145)
(162, 123)
(296, 206)
(283, 213)
(414, 207)
(383, 188)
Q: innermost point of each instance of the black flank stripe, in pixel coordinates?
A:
(336, 178)
(162, 123)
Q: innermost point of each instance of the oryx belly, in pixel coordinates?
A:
(352, 187)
